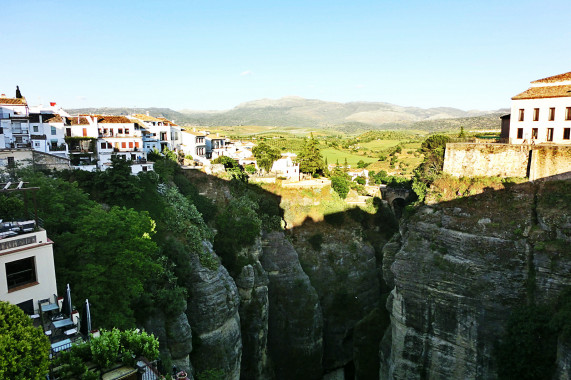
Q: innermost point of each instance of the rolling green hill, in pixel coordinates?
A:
(350, 118)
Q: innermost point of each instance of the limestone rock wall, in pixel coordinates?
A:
(295, 334)
(213, 303)
(462, 266)
(344, 272)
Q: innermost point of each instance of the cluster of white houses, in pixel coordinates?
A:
(89, 141)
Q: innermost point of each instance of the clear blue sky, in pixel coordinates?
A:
(217, 54)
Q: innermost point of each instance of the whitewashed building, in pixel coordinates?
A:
(194, 144)
(27, 271)
(286, 167)
(156, 133)
(542, 113)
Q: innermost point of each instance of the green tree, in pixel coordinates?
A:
(266, 155)
(341, 185)
(310, 159)
(433, 149)
(229, 163)
(24, 348)
(462, 134)
(238, 226)
(107, 248)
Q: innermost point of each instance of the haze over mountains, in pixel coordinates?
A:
(295, 111)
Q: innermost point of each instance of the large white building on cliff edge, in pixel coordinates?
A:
(542, 113)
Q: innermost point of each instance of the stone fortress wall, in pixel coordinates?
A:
(507, 160)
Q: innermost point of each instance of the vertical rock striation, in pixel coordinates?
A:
(295, 319)
(461, 268)
(213, 303)
(252, 285)
(344, 272)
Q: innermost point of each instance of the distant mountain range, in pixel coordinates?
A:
(313, 113)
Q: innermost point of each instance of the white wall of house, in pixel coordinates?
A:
(285, 167)
(194, 144)
(19, 247)
(559, 124)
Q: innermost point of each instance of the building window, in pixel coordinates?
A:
(11, 162)
(534, 133)
(130, 144)
(84, 132)
(549, 134)
(568, 113)
(36, 128)
(566, 133)
(521, 111)
(200, 140)
(120, 131)
(123, 145)
(21, 272)
(552, 114)
(535, 114)
(136, 144)
(54, 132)
(520, 133)
(126, 131)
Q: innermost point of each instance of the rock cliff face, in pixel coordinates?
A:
(212, 311)
(295, 319)
(461, 267)
(343, 270)
(252, 285)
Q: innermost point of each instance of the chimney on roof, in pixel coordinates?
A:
(18, 93)
(147, 113)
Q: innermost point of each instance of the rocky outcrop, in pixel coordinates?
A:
(295, 319)
(461, 267)
(563, 369)
(252, 285)
(344, 272)
(175, 338)
(212, 311)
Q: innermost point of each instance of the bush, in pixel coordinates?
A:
(24, 349)
(340, 185)
(250, 169)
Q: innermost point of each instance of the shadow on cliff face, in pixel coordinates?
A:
(326, 293)
(468, 262)
(462, 263)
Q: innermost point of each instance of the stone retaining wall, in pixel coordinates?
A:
(507, 160)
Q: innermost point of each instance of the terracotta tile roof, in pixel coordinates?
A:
(167, 121)
(112, 119)
(13, 101)
(143, 117)
(77, 120)
(555, 78)
(545, 92)
(50, 118)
